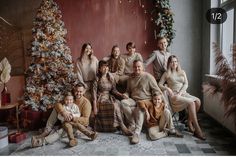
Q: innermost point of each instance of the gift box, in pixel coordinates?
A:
(34, 120)
(17, 137)
(31, 119)
(30, 114)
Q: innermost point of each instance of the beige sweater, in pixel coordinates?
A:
(129, 61)
(87, 71)
(175, 81)
(142, 87)
(159, 61)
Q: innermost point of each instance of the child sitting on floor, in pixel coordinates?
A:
(158, 118)
(73, 109)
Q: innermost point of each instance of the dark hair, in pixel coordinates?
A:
(170, 59)
(100, 64)
(130, 44)
(113, 48)
(83, 49)
(157, 94)
(80, 84)
(137, 60)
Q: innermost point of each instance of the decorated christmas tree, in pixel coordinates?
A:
(50, 74)
(164, 19)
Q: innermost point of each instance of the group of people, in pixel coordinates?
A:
(117, 94)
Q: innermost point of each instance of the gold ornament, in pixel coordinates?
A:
(42, 60)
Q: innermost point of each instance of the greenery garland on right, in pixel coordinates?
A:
(164, 19)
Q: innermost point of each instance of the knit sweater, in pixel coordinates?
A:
(73, 109)
(142, 87)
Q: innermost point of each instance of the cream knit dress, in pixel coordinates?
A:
(177, 82)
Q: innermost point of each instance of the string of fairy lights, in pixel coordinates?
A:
(161, 15)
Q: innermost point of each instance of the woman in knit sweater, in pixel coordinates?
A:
(86, 67)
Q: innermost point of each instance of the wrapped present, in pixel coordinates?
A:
(3, 137)
(30, 114)
(34, 120)
(31, 119)
(17, 137)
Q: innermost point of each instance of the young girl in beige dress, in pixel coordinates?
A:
(177, 85)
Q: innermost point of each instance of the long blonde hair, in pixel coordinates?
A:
(178, 69)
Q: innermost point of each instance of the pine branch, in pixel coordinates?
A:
(164, 19)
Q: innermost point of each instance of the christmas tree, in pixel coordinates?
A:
(50, 74)
(164, 19)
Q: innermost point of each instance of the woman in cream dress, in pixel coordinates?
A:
(86, 68)
(177, 85)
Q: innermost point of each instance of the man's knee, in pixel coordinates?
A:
(167, 112)
(125, 103)
(138, 112)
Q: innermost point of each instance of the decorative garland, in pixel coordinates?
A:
(163, 20)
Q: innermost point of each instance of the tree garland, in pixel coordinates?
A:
(163, 19)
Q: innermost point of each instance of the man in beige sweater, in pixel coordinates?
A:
(140, 86)
(85, 110)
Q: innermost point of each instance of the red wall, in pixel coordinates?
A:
(104, 23)
(15, 87)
